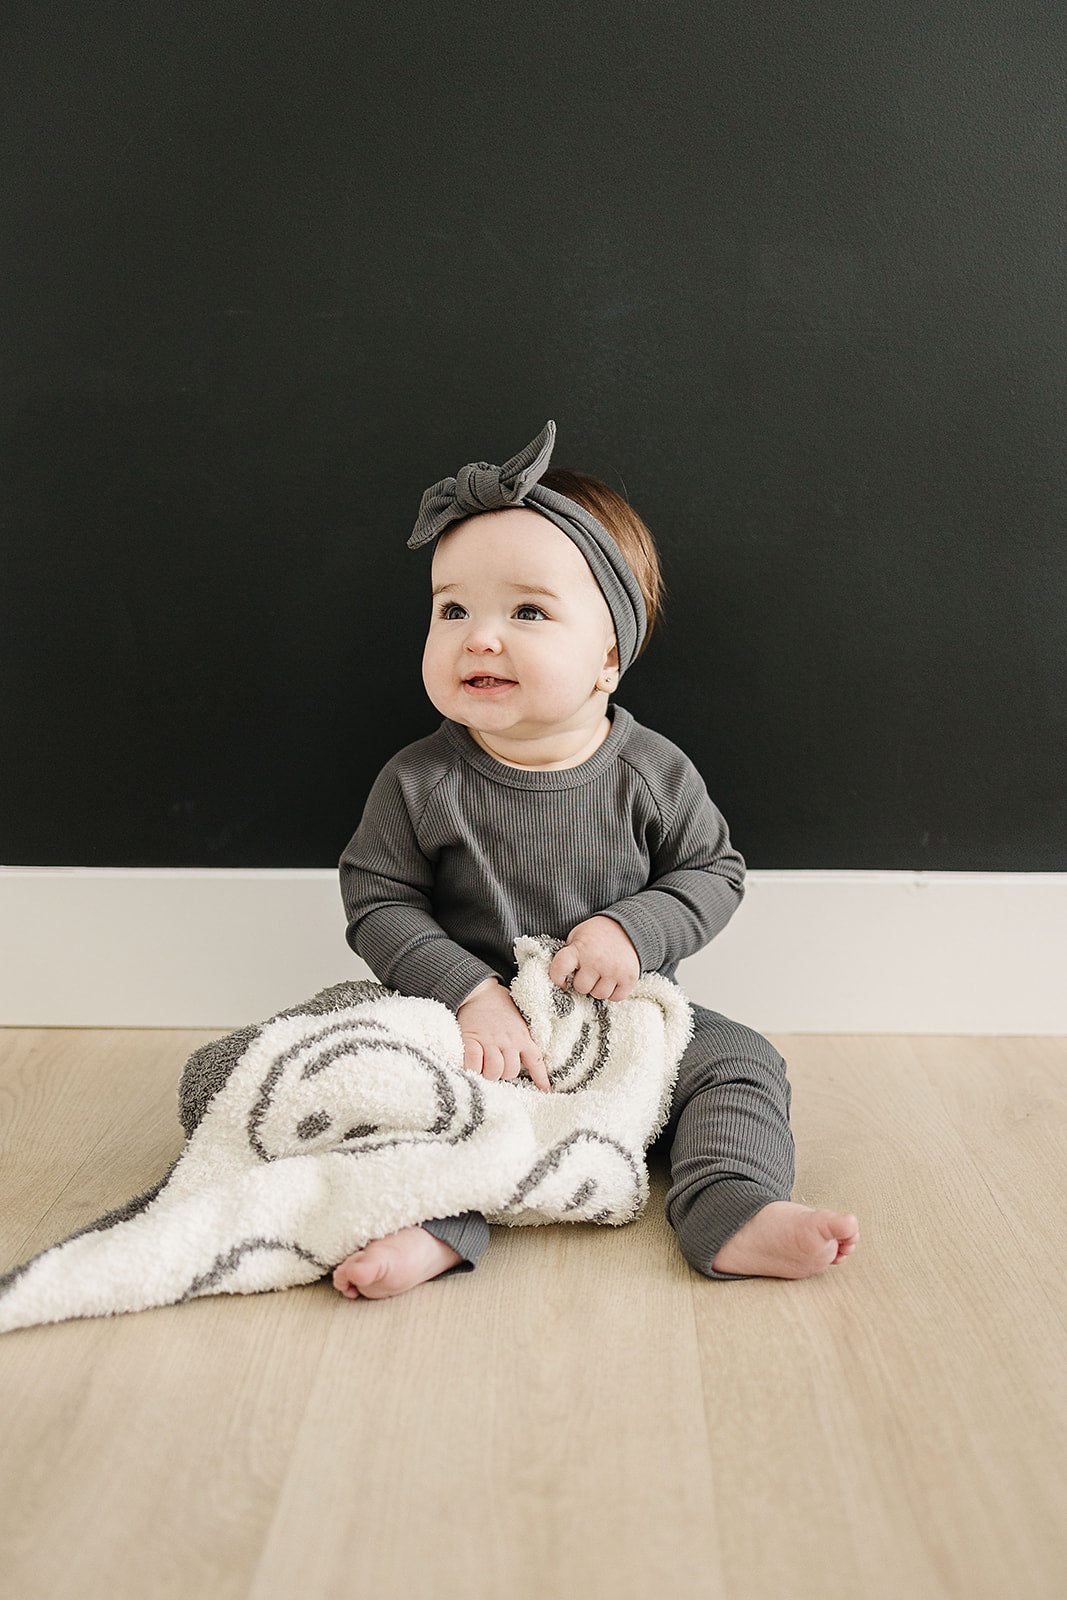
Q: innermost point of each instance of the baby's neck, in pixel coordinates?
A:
(553, 752)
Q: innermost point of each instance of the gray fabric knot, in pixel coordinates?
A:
(480, 486)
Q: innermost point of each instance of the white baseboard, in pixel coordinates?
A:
(808, 952)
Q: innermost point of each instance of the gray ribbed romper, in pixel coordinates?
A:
(457, 854)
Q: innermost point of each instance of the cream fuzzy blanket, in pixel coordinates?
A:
(351, 1116)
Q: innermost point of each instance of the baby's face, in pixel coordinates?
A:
(520, 631)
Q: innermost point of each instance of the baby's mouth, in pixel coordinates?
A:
(485, 681)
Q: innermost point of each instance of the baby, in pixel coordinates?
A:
(539, 806)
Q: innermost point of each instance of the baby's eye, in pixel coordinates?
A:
(450, 610)
(537, 612)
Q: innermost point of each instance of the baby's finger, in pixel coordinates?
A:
(534, 1063)
(492, 1063)
(512, 1064)
(563, 963)
(603, 989)
(585, 980)
(472, 1053)
(623, 991)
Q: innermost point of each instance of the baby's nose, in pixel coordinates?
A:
(483, 638)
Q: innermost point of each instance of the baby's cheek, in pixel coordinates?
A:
(435, 679)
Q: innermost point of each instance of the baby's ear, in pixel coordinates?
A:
(608, 677)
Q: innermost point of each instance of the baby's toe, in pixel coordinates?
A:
(845, 1230)
(344, 1284)
(355, 1273)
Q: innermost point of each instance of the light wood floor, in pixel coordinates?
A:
(583, 1416)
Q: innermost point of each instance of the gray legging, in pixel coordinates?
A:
(731, 1150)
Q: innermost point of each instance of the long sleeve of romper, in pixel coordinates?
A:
(696, 877)
(386, 886)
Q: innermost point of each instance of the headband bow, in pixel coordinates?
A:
(483, 487)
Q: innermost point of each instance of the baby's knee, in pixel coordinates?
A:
(759, 1049)
(722, 1050)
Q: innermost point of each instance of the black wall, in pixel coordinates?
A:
(792, 277)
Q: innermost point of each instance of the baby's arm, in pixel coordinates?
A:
(496, 1039)
(696, 881)
(387, 886)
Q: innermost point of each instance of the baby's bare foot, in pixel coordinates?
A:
(394, 1264)
(786, 1240)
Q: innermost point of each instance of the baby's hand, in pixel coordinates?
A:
(599, 954)
(496, 1040)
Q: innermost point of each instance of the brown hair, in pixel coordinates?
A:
(625, 527)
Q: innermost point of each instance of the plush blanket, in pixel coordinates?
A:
(350, 1116)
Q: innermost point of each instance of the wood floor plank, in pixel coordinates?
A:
(143, 1454)
(88, 1118)
(1007, 1098)
(530, 1428)
(912, 1400)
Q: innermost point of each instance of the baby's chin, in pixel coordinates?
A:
(495, 717)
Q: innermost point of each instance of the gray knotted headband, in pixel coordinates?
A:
(482, 487)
